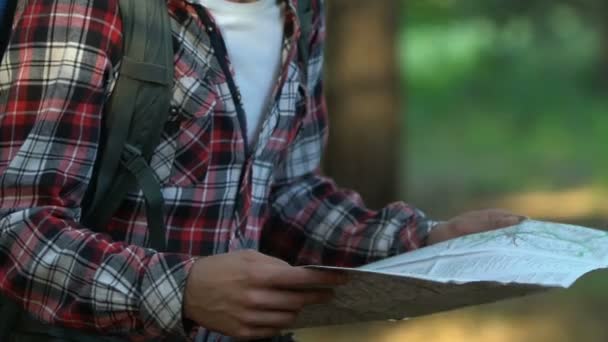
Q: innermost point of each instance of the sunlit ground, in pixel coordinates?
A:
(462, 326)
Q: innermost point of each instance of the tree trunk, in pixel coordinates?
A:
(362, 79)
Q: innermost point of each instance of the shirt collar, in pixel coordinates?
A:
(291, 24)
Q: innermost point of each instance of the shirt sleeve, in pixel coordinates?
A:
(312, 221)
(54, 80)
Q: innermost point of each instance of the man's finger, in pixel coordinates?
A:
(259, 258)
(249, 333)
(285, 300)
(513, 220)
(498, 219)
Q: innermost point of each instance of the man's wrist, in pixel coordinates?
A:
(164, 289)
(430, 226)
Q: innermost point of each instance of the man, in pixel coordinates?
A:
(232, 184)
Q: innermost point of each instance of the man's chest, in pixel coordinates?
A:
(204, 131)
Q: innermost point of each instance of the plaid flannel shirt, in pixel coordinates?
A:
(56, 77)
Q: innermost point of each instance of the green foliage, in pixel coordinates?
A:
(502, 105)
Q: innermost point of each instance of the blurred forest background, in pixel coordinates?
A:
(456, 105)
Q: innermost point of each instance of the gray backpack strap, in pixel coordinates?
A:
(136, 115)
(305, 14)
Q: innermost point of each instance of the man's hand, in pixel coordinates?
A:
(249, 295)
(473, 222)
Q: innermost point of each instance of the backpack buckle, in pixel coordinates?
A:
(132, 159)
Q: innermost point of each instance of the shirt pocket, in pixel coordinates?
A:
(183, 156)
(288, 113)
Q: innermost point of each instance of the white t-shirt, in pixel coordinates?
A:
(253, 34)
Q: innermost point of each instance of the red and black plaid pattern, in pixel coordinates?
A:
(55, 79)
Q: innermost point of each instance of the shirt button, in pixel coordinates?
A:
(209, 29)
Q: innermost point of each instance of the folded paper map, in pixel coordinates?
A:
(481, 268)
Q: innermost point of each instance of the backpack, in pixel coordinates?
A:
(134, 119)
